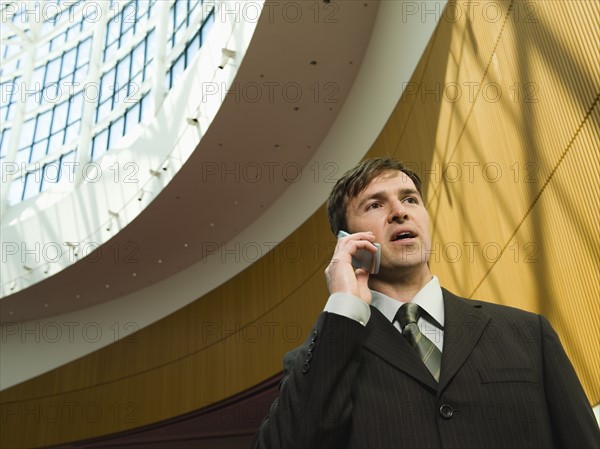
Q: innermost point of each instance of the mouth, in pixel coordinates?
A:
(405, 235)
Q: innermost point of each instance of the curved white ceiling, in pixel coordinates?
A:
(251, 180)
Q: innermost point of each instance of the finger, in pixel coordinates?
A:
(363, 235)
(362, 279)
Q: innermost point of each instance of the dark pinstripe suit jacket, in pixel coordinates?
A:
(505, 382)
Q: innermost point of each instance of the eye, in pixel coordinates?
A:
(412, 200)
(374, 205)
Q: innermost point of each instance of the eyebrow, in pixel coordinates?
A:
(381, 195)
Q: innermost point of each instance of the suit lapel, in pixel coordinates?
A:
(385, 341)
(464, 324)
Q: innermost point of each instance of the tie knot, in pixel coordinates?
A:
(408, 313)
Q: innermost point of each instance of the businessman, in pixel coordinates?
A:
(397, 361)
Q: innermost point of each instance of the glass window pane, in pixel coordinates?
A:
(178, 67)
(107, 83)
(76, 107)
(103, 110)
(47, 27)
(100, 144)
(180, 12)
(56, 142)
(23, 156)
(50, 174)
(53, 92)
(128, 15)
(127, 34)
(116, 132)
(92, 14)
(73, 31)
(150, 45)
(42, 129)
(14, 86)
(136, 83)
(113, 30)
(142, 9)
(148, 70)
(37, 78)
(52, 71)
(194, 12)
(123, 70)
(68, 64)
(32, 184)
(5, 142)
(137, 57)
(207, 26)
(83, 54)
(9, 67)
(26, 137)
(146, 112)
(67, 169)
(10, 113)
(132, 117)
(38, 151)
(80, 75)
(179, 35)
(110, 51)
(72, 132)
(121, 95)
(191, 50)
(60, 116)
(167, 80)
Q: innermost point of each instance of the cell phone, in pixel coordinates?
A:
(365, 259)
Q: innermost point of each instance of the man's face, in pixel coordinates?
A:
(393, 210)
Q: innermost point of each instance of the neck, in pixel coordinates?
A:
(402, 286)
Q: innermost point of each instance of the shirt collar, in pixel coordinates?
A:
(429, 298)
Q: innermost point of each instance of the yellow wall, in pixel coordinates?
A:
(502, 120)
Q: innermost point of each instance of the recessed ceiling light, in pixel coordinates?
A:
(313, 62)
(296, 108)
(11, 312)
(159, 260)
(235, 202)
(185, 245)
(212, 225)
(134, 274)
(45, 305)
(107, 285)
(77, 296)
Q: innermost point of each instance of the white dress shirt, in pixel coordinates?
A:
(431, 322)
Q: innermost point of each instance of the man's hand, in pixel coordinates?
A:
(341, 276)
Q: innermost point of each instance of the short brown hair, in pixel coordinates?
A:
(355, 181)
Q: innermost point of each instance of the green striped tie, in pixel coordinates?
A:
(408, 315)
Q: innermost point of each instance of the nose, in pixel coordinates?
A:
(397, 213)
